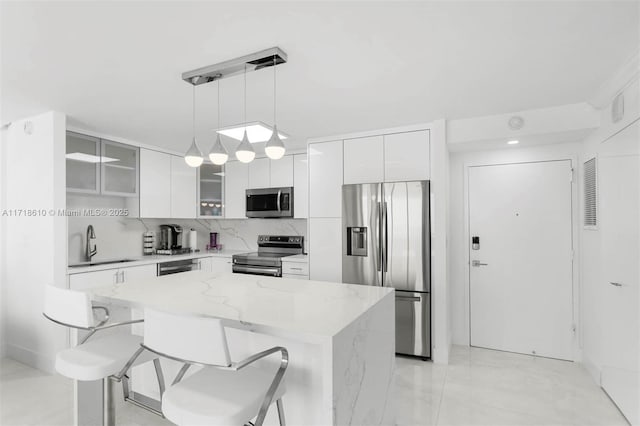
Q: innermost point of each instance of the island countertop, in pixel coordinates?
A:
(279, 306)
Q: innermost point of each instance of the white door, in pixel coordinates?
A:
(521, 274)
(619, 208)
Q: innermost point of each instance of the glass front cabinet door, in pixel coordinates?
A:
(119, 169)
(83, 163)
(210, 184)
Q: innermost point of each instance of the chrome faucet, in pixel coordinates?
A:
(91, 241)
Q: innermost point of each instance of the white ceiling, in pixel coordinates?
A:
(114, 67)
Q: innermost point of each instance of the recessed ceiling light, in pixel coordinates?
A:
(257, 131)
(513, 142)
(88, 158)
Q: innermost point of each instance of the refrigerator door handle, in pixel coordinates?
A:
(379, 254)
(385, 253)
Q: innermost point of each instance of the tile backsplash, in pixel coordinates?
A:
(122, 237)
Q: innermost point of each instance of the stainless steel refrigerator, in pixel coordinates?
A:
(386, 242)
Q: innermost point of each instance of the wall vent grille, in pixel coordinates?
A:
(590, 194)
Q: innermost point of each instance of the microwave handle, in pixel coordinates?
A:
(278, 201)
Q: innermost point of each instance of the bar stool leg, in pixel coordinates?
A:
(280, 412)
(109, 403)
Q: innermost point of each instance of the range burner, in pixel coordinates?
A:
(268, 259)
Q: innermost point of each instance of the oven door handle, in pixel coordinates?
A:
(257, 270)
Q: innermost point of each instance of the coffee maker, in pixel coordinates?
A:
(170, 238)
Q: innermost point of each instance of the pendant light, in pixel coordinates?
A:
(193, 157)
(218, 154)
(274, 147)
(245, 152)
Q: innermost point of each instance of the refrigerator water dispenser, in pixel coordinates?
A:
(356, 241)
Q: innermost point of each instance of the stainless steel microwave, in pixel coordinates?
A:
(270, 202)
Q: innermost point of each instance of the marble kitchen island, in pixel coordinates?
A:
(340, 337)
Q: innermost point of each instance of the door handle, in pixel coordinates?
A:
(616, 284)
(385, 254)
(477, 263)
(408, 298)
(379, 254)
(278, 200)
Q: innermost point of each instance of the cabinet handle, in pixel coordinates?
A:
(122, 279)
(117, 277)
(616, 284)
(296, 269)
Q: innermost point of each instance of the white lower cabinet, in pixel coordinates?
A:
(297, 270)
(87, 280)
(221, 265)
(204, 264)
(325, 249)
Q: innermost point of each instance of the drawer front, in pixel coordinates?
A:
(295, 268)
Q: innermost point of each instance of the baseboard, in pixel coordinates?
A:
(30, 358)
(593, 370)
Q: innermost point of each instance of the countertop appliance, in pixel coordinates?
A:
(170, 237)
(269, 202)
(268, 259)
(176, 266)
(386, 241)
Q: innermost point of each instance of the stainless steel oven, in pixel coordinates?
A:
(268, 259)
(270, 202)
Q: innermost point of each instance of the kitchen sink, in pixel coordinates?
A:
(105, 262)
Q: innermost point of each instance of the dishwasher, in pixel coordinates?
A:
(177, 266)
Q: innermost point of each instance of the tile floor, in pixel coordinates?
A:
(478, 387)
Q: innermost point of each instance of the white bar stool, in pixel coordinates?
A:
(104, 358)
(223, 392)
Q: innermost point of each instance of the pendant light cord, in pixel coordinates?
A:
(194, 111)
(274, 89)
(245, 98)
(218, 125)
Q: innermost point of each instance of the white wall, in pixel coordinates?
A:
(36, 245)
(459, 269)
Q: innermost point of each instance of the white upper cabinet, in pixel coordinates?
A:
(236, 182)
(183, 189)
(363, 160)
(259, 173)
(281, 172)
(406, 156)
(167, 186)
(325, 179)
(155, 184)
(119, 171)
(83, 176)
(300, 187)
(267, 173)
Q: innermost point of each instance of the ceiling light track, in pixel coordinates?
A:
(253, 62)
